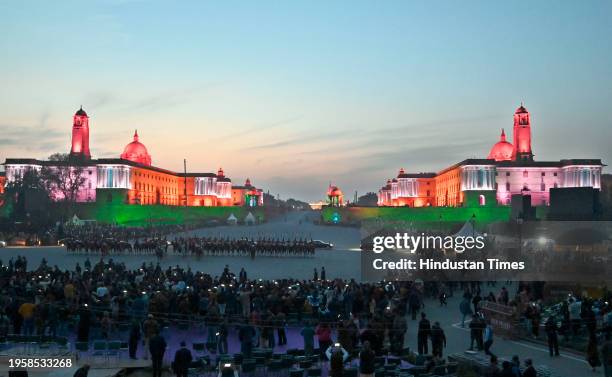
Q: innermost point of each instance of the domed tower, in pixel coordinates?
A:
(136, 152)
(502, 150)
(522, 135)
(80, 136)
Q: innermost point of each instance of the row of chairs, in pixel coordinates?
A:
(101, 349)
(15, 344)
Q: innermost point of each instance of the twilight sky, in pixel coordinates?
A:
(297, 94)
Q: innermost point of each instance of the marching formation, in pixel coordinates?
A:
(243, 247)
(195, 246)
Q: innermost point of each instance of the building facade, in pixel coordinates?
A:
(509, 169)
(133, 179)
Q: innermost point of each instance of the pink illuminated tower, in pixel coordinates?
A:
(522, 135)
(80, 136)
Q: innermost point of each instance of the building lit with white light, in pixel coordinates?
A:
(133, 179)
(508, 170)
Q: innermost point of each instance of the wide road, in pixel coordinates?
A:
(458, 340)
(343, 261)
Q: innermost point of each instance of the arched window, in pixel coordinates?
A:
(481, 200)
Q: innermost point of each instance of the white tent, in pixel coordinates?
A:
(232, 220)
(468, 230)
(250, 219)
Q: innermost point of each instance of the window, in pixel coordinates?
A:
(543, 187)
(507, 186)
(481, 200)
(525, 174)
(507, 174)
(543, 174)
(555, 174)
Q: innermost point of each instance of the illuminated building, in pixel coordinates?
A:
(247, 195)
(335, 197)
(509, 169)
(137, 152)
(132, 179)
(412, 190)
(80, 136)
(2, 184)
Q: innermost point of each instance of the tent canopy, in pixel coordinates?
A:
(468, 230)
(232, 219)
(249, 219)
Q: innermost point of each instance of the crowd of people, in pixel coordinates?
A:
(365, 319)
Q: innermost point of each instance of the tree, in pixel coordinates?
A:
(368, 200)
(63, 180)
(27, 198)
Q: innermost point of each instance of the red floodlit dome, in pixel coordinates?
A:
(136, 152)
(502, 150)
(521, 109)
(334, 191)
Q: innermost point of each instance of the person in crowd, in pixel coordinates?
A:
(476, 333)
(488, 338)
(246, 333)
(516, 366)
(530, 370)
(83, 371)
(281, 323)
(465, 309)
(222, 337)
(506, 370)
(308, 334)
(398, 332)
(552, 330)
(324, 333)
(26, 311)
(323, 274)
(367, 359)
(157, 348)
(423, 334)
(182, 361)
(150, 327)
(606, 357)
(476, 302)
(133, 339)
(592, 353)
(492, 370)
(438, 340)
(337, 356)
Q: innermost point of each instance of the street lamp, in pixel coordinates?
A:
(519, 221)
(473, 222)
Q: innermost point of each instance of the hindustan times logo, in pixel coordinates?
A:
(413, 243)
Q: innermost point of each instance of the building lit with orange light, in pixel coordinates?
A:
(2, 184)
(509, 169)
(133, 179)
(335, 197)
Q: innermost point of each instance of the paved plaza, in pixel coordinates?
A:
(342, 261)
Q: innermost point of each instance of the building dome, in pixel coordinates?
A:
(136, 152)
(521, 110)
(334, 191)
(502, 150)
(81, 112)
